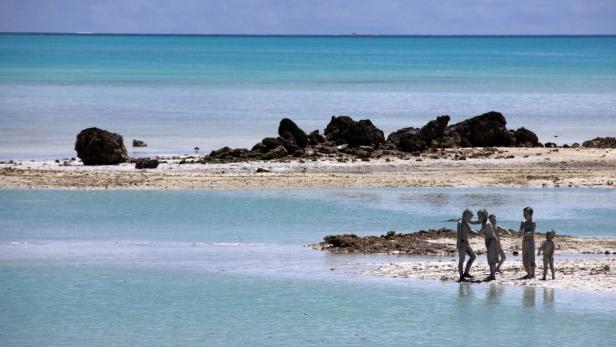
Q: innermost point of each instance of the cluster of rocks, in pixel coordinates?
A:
(344, 136)
(486, 130)
(345, 139)
(600, 142)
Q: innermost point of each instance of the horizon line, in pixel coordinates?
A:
(85, 33)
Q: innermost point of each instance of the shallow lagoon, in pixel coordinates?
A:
(163, 268)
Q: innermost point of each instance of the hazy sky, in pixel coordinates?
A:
(455, 17)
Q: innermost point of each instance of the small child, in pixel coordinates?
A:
(499, 230)
(547, 247)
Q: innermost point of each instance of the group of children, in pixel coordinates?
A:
(495, 254)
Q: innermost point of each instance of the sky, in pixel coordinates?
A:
(293, 17)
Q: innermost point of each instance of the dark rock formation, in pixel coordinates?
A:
(314, 138)
(96, 146)
(526, 138)
(262, 170)
(407, 139)
(434, 128)
(289, 131)
(139, 143)
(600, 142)
(229, 154)
(268, 144)
(344, 129)
(274, 153)
(146, 163)
(550, 145)
(430, 135)
(488, 129)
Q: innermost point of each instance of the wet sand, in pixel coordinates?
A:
(587, 263)
(509, 167)
(593, 274)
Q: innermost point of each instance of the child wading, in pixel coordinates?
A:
(464, 247)
(527, 229)
(547, 248)
(491, 241)
(498, 229)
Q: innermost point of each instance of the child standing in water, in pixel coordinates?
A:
(547, 247)
(497, 230)
(491, 241)
(463, 245)
(527, 229)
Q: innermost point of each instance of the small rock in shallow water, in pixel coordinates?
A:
(516, 253)
(259, 170)
(139, 143)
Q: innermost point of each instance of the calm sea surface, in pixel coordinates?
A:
(178, 92)
(102, 268)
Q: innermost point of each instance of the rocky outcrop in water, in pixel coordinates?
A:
(96, 146)
(345, 130)
(346, 139)
(289, 131)
(486, 130)
(526, 138)
(139, 143)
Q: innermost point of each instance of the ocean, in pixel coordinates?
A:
(179, 92)
(230, 268)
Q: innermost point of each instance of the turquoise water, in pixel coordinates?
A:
(289, 216)
(214, 268)
(177, 92)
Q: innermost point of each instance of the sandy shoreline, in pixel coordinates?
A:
(587, 263)
(581, 274)
(510, 167)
